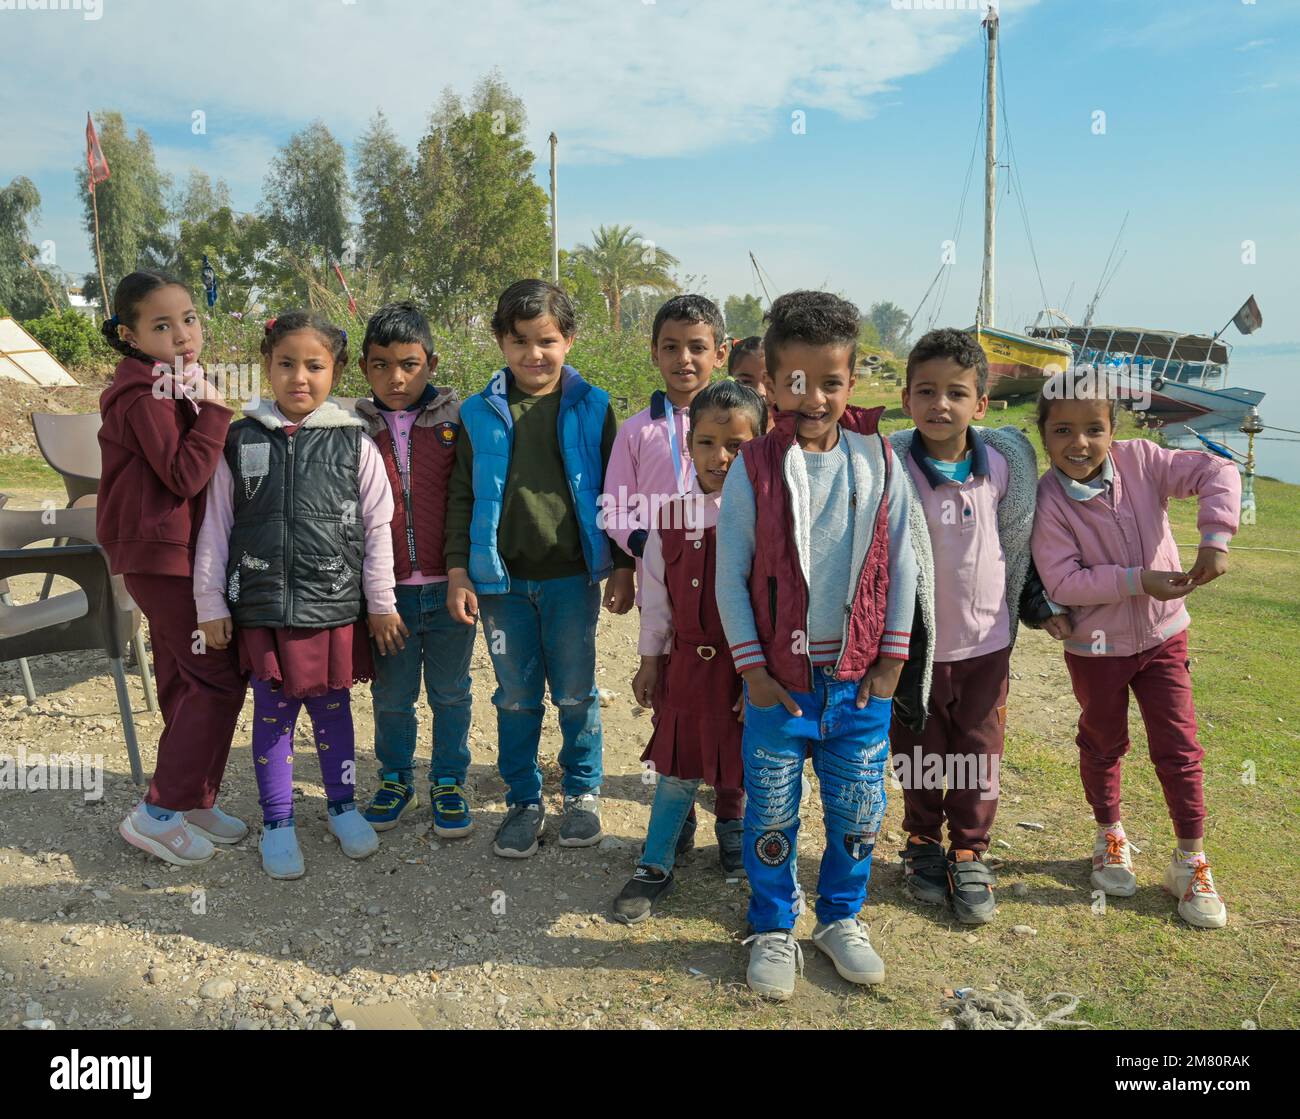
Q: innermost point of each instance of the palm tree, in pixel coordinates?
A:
(623, 262)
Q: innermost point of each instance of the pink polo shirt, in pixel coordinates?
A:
(970, 569)
(641, 474)
(399, 427)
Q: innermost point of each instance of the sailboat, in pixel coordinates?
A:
(1018, 364)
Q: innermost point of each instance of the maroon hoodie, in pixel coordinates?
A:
(158, 457)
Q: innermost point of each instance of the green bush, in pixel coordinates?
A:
(71, 337)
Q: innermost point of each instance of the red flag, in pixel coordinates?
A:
(95, 160)
(1248, 319)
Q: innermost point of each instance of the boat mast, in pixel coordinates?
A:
(985, 317)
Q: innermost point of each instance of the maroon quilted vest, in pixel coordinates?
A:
(433, 452)
(778, 594)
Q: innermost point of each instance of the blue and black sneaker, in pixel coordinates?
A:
(390, 803)
(451, 818)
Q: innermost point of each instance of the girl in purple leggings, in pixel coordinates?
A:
(294, 550)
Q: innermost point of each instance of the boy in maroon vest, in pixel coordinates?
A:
(416, 425)
(816, 584)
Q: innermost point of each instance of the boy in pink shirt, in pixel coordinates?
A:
(976, 487)
(650, 465)
(1103, 545)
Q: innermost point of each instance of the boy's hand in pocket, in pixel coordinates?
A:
(766, 692)
(881, 680)
(217, 633)
(388, 631)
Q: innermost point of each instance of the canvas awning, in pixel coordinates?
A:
(24, 359)
(1134, 340)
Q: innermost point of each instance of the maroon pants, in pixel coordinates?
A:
(961, 747)
(1161, 680)
(201, 695)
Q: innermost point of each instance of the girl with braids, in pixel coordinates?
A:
(164, 427)
(294, 550)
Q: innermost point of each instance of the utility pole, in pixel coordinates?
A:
(990, 167)
(555, 221)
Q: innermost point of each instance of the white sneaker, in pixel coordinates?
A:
(846, 943)
(773, 962)
(1112, 864)
(216, 826)
(1199, 903)
(170, 840)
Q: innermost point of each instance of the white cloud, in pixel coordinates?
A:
(615, 78)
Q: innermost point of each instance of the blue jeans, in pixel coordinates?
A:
(442, 647)
(849, 748)
(544, 632)
(674, 799)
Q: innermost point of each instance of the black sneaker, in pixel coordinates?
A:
(686, 837)
(925, 871)
(636, 900)
(580, 824)
(516, 838)
(731, 846)
(972, 889)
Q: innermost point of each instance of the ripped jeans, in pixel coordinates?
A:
(849, 748)
(544, 632)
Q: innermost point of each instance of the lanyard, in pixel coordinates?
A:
(679, 471)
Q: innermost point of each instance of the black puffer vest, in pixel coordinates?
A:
(297, 543)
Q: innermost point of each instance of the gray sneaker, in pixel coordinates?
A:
(580, 825)
(516, 838)
(773, 962)
(845, 942)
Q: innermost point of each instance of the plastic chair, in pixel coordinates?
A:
(99, 615)
(6, 599)
(70, 445)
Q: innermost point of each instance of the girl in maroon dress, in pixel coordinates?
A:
(686, 670)
(295, 551)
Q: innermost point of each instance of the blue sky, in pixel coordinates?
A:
(676, 117)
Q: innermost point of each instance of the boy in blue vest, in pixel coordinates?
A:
(526, 548)
(816, 583)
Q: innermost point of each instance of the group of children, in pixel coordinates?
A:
(838, 592)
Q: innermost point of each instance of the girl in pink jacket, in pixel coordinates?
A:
(1104, 550)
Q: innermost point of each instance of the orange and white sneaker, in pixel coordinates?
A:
(1199, 903)
(1112, 864)
(170, 840)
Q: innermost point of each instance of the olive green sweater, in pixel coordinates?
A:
(538, 537)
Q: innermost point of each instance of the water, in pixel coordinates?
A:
(1274, 370)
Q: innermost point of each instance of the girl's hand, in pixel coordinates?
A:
(1058, 625)
(1165, 585)
(196, 385)
(620, 592)
(217, 633)
(881, 680)
(739, 708)
(389, 632)
(766, 692)
(462, 601)
(646, 680)
(1210, 564)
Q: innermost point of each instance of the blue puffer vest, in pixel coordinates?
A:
(485, 418)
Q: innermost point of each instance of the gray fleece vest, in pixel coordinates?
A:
(297, 542)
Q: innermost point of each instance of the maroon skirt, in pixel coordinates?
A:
(307, 662)
(697, 734)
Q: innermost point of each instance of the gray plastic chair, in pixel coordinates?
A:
(69, 443)
(98, 615)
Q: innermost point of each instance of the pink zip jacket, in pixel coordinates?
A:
(1091, 554)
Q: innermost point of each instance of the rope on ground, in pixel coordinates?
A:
(1008, 1010)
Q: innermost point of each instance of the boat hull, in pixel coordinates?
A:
(1019, 365)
